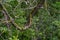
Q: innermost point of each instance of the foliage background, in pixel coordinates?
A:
(45, 24)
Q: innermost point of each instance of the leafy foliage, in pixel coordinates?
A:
(45, 23)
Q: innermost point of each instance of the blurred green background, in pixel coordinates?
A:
(45, 24)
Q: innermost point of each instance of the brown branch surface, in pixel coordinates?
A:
(5, 15)
(29, 17)
(8, 18)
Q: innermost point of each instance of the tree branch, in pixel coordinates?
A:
(8, 17)
(29, 17)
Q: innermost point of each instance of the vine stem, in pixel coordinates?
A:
(29, 18)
